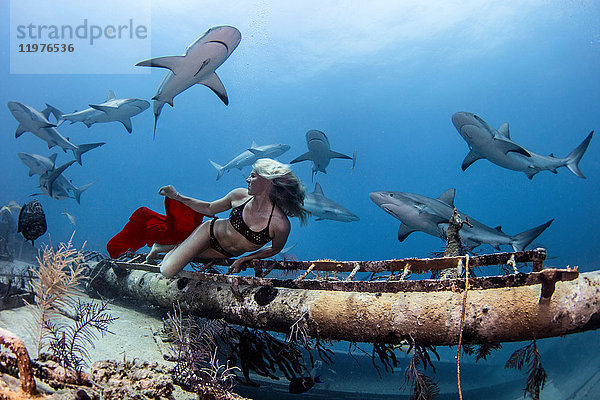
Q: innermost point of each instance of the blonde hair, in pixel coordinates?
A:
(287, 191)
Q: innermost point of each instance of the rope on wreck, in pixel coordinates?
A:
(462, 324)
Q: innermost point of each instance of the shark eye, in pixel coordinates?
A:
(391, 194)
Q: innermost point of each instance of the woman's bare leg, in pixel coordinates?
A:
(176, 259)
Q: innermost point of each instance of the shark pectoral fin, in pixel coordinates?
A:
(106, 109)
(318, 219)
(508, 146)
(403, 232)
(127, 124)
(304, 157)
(169, 62)
(531, 172)
(213, 82)
(335, 154)
(19, 131)
(470, 159)
(110, 96)
(448, 197)
(554, 171)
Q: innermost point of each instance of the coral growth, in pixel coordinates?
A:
(194, 350)
(537, 375)
(16, 345)
(56, 289)
(132, 380)
(68, 343)
(58, 276)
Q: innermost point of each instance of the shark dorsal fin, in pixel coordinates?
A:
(498, 228)
(448, 197)
(318, 189)
(504, 131)
(254, 145)
(110, 96)
(551, 155)
(46, 112)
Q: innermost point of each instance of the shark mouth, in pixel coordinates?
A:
(220, 42)
(316, 140)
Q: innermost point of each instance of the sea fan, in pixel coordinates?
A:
(68, 344)
(58, 276)
(422, 387)
(537, 375)
(194, 350)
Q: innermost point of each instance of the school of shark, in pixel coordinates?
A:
(198, 66)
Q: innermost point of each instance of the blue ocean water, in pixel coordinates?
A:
(377, 77)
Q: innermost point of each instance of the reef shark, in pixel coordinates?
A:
(197, 65)
(39, 165)
(323, 208)
(249, 157)
(319, 152)
(421, 213)
(112, 109)
(497, 146)
(29, 122)
(48, 182)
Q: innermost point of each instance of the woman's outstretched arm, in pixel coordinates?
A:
(204, 207)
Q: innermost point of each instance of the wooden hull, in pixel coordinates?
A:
(492, 314)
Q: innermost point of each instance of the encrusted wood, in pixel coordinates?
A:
(499, 309)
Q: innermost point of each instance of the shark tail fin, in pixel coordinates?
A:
(522, 240)
(78, 190)
(575, 156)
(158, 105)
(57, 114)
(219, 168)
(84, 148)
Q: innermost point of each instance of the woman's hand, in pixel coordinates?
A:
(168, 191)
(237, 265)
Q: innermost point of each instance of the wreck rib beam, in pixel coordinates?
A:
(493, 315)
(416, 265)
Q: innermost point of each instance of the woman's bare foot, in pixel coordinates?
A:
(157, 249)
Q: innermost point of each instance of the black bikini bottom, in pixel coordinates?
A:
(214, 243)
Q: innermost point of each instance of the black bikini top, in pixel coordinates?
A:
(237, 221)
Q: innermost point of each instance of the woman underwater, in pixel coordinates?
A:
(259, 214)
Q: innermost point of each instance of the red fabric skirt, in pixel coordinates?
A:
(146, 227)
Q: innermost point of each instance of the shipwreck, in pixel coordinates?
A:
(325, 299)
